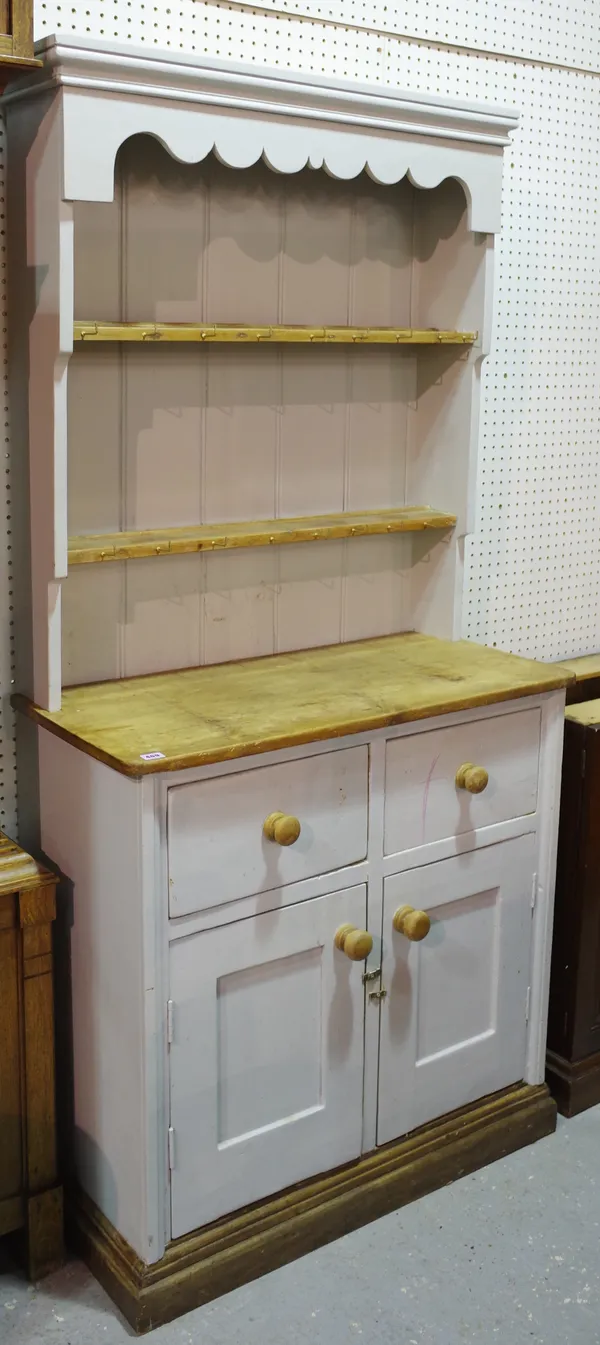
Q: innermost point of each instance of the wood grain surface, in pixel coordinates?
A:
(196, 716)
(238, 333)
(243, 1246)
(256, 532)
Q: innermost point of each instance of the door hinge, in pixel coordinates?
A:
(378, 994)
(371, 975)
(527, 1003)
(534, 889)
(169, 1022)
(583, 762)
(171, 1135)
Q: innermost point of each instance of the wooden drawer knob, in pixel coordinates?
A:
(415, 925)
(355, 943)
(472, 778)
(281, 828)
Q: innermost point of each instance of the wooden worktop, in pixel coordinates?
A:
(583, 668)
(587, 713)
(18, 871)
(201, 715)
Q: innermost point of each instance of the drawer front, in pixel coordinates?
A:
(422, 800)
(217, 848)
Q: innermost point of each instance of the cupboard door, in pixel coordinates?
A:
(266, 1060)
(454, 1023)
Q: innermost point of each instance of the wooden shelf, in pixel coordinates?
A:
(89, 549)
(236, 333)
(170, 721)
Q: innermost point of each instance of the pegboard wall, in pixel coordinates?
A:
(533, 565)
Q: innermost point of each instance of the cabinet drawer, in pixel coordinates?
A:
(422, 800)
(218, 851)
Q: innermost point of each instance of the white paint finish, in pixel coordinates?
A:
(291, 119)
(453, 1026)
(217, 851)
(375, 925)
(86, 804)
(422, 802)
(267, 1057)
(549, 804)
(91, 828)
(45, 344)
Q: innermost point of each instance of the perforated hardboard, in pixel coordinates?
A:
(533, 565)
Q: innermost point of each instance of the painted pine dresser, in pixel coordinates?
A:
(311, 832)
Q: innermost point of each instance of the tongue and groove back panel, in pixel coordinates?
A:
(174, 435)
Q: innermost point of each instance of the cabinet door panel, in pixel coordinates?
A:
(267, 1056)
(453, 1025)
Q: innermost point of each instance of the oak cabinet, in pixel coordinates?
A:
(30, 1192)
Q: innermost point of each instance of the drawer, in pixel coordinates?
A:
(422, 800)
(217, 848)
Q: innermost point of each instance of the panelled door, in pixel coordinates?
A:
(454, 1022)
(266, 1056)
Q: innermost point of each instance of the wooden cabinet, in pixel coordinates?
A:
(253, 363)
(266, 1027)
(16, 39)
(573, 1059)
(252, 1048)
(30, 1195)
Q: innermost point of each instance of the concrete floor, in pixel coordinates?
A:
(511, 1254)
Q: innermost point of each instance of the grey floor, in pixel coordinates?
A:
(511, 1254)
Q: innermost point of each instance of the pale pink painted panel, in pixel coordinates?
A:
(92, 603)
(376, 587)
(309, 595)
(164, 409)
(317, 250)
(381, 254)
(97, 259)
(450, 261)
(242, 431)
(162, 627)
(239, 605)
(381, 403)
(244, 245)
(440, 448)
(313, 430)
(94, 440)
(164, 230)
